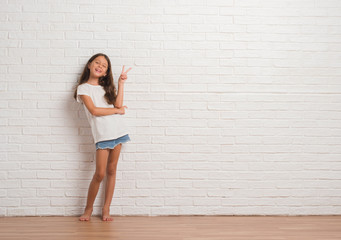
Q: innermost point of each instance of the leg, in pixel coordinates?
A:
(101, 164)
(111, 180)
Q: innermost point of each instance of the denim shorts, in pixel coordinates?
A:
(111, 144)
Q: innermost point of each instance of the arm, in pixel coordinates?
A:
(96, 111)
(119, 98)
(123, 77)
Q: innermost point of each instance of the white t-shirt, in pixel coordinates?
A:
(103, 127)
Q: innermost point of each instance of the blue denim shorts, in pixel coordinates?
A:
(112, 143)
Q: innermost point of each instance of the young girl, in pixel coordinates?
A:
(104, 110)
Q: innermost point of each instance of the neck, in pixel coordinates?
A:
(93, 80)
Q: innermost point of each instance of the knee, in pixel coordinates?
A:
(112, 171)
(99, 176)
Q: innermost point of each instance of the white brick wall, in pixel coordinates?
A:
(234, 105)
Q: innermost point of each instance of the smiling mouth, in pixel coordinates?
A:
(99, 71)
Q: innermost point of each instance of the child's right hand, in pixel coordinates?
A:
(121, 110)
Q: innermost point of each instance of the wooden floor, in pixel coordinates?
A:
(173, 227)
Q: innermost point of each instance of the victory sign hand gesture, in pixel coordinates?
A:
(123, 76)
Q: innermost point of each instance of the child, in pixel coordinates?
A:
(104, 109)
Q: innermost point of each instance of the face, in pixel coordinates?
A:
(98, 67)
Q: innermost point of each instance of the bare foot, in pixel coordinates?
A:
(106, 214)
(86, 215)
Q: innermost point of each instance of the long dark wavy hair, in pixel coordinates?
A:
(107, 81)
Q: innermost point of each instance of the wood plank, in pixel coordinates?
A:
(174, 227)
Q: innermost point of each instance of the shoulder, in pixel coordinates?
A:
(83, 89)
(82, 86)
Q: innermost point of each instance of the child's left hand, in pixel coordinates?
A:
(123, 76)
